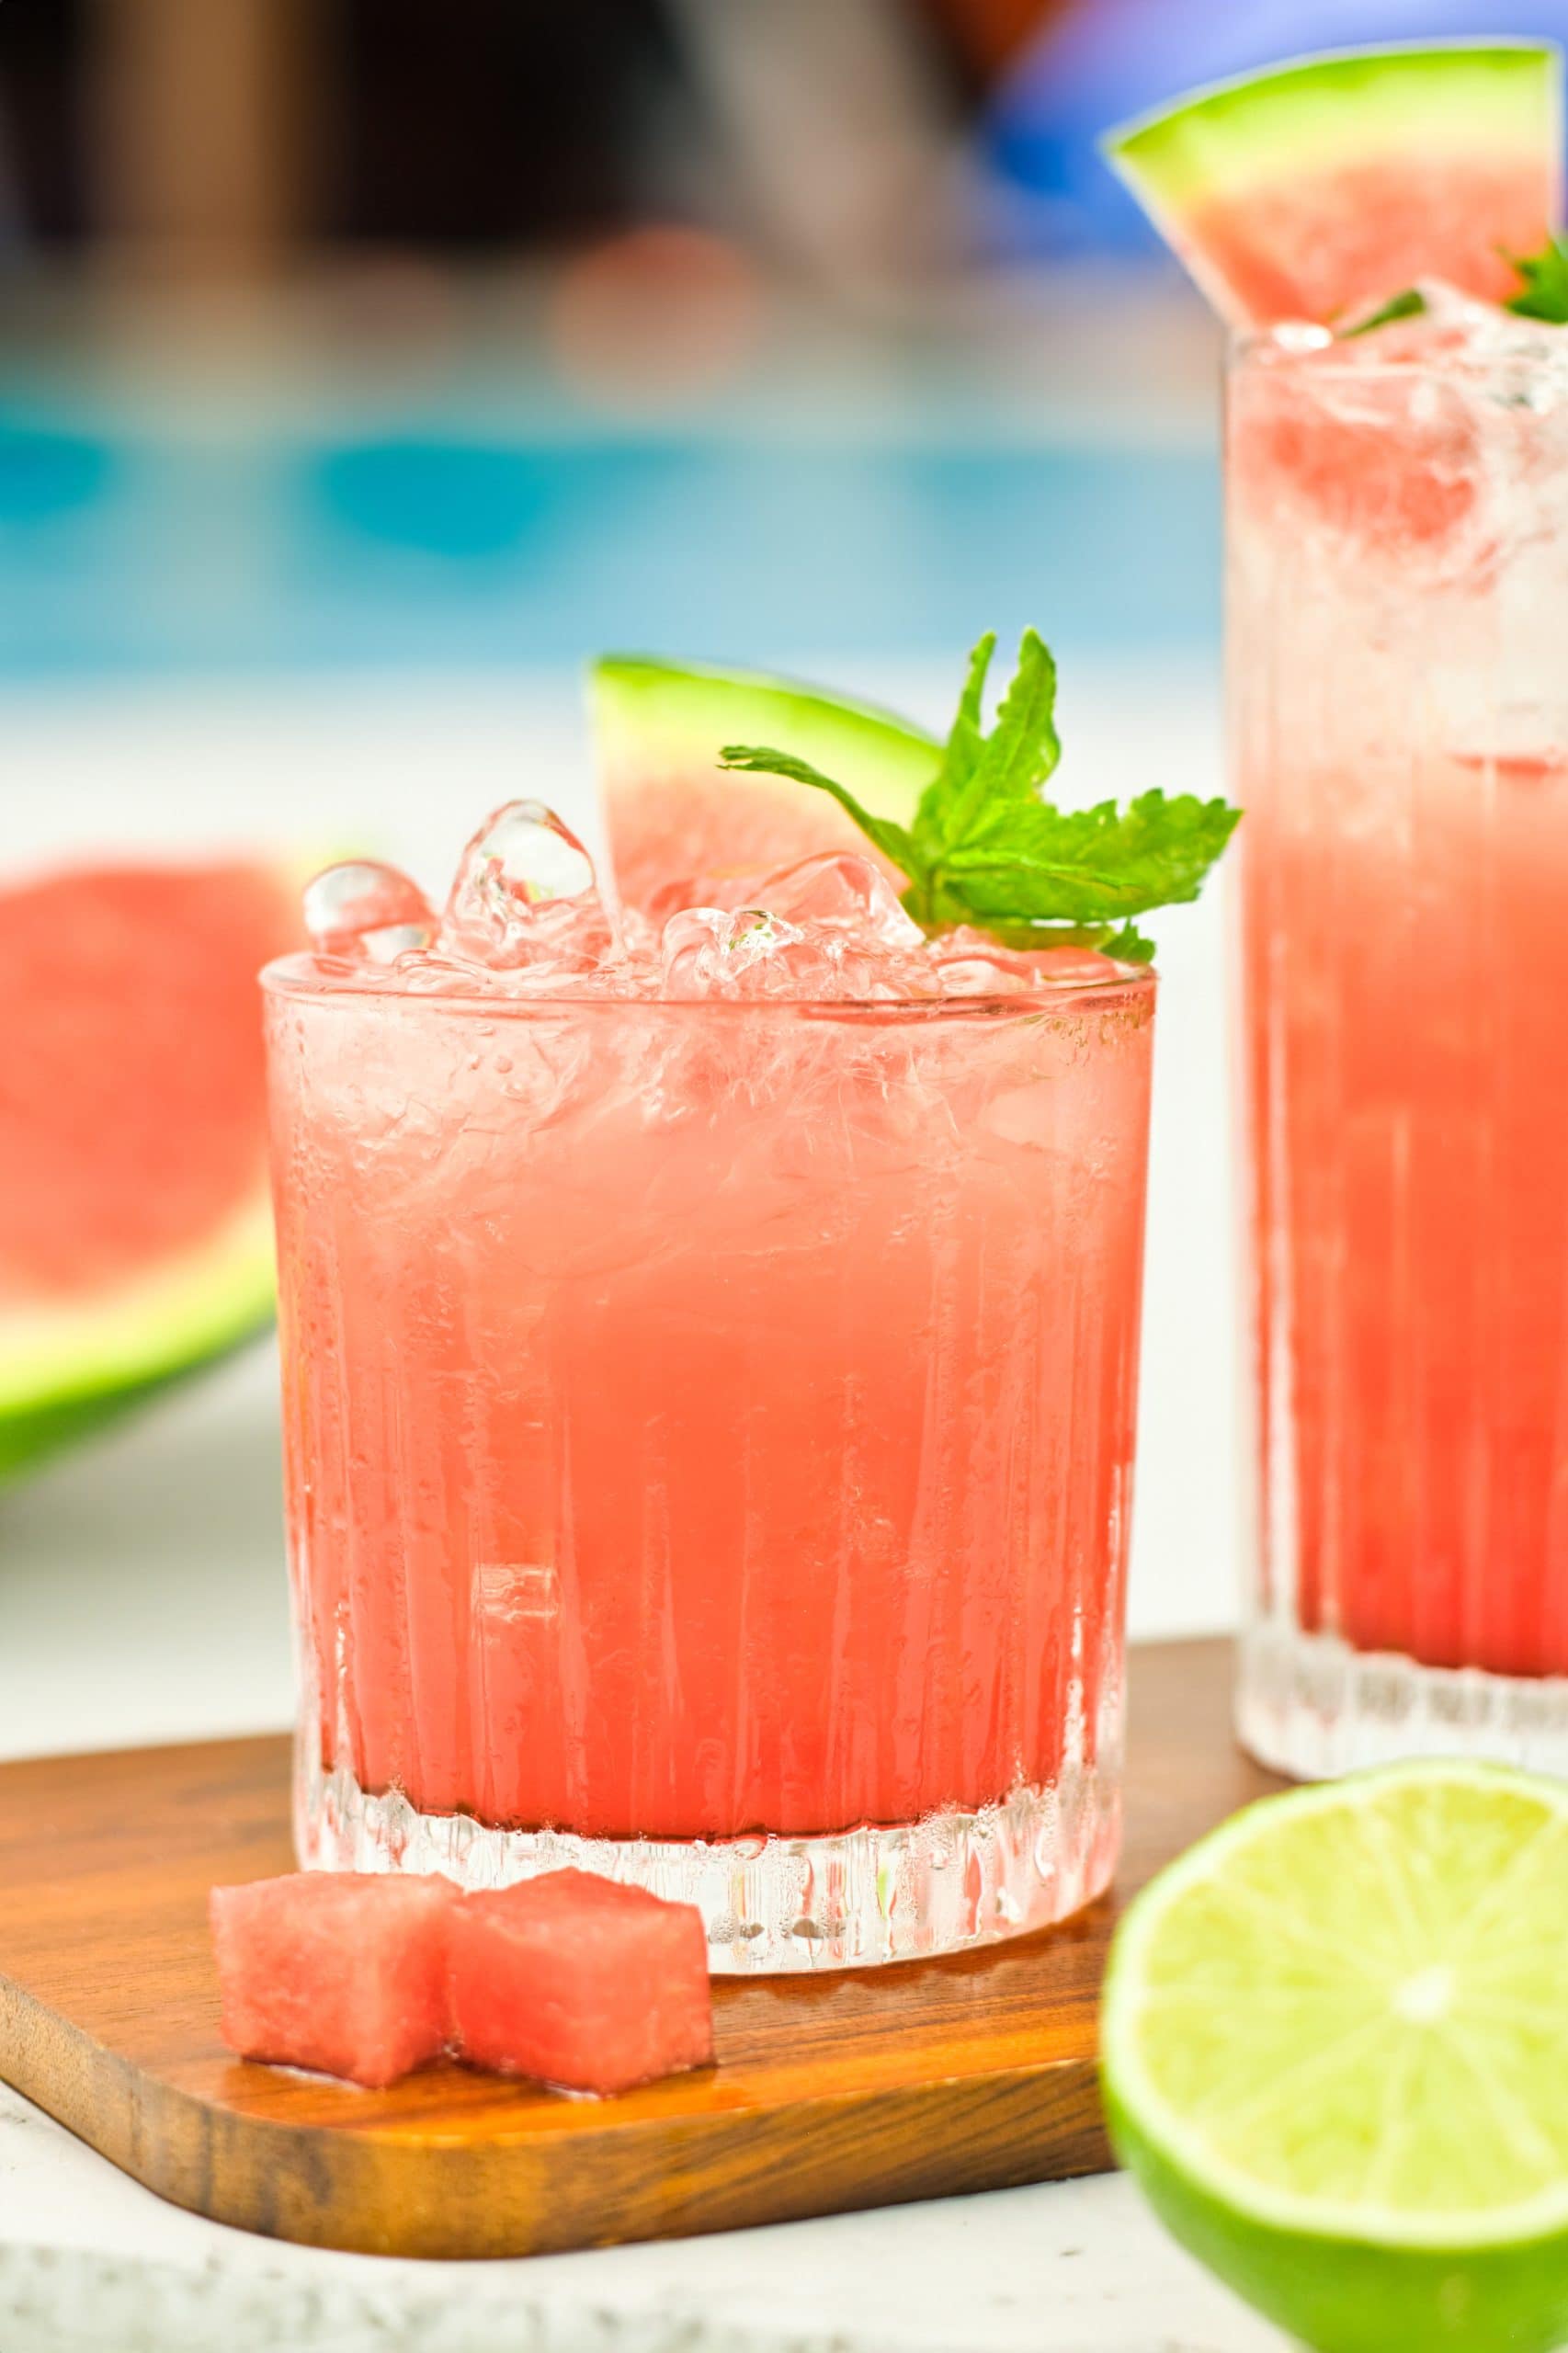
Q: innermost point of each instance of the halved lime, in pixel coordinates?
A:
(1335, 2051)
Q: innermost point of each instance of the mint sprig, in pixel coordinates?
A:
(985, 847)
(1543, 292)
(1411, 304)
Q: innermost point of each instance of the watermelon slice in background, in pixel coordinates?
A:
(671, 812)
(135, 1233)
(1325, 186)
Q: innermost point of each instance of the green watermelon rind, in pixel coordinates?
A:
(68, 1369)
(1311, 113)
(645, 710)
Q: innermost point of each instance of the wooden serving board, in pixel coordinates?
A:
(832, 2092)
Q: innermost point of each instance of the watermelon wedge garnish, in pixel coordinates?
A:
(135, 1236)
(1321, 188)
(670, 811)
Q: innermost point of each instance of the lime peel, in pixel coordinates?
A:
(1352, 2124)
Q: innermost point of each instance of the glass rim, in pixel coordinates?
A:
(1250, 346)
(289, 978)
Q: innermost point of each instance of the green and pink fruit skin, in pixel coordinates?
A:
(1322, 188)
(135, 1231)
(671, 812)
(1339, 2297)
(580, 1981)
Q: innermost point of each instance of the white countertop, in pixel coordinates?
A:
(142, 1597)
(92, 2263)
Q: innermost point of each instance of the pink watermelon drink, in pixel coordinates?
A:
(710, 1340)
(1400, 709)
(1398, 552)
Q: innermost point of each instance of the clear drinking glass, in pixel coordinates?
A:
(709, 1437)
(1398, 658)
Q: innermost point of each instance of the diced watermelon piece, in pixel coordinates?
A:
(580, 1981)
(343, 1971)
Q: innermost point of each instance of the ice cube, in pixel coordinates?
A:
(526, 892)
(756, 952)
(844, 890)
(969, 963)
(363, 911)
(712, 951)
(691, 893)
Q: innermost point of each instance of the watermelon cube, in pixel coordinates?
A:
(580, 1981)
(343, 1971)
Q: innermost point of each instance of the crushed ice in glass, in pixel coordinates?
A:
(1452, 330)
(1429, 451)
(524, 916)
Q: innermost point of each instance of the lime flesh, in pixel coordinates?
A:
(1335, 2055)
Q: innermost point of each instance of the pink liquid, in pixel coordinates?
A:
(1400, 702)
(708, 1419)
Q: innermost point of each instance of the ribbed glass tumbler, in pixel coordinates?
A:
(709, 1437)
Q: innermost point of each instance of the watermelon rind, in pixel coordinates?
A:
(656, 722)
(1432, 101)
(66, 1368)
(648, 707)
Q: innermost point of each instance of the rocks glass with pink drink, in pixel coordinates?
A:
(710, 1348)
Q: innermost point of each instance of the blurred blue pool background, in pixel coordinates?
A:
(447, 534)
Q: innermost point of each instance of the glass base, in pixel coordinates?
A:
(1310, 1706)
(848, 1899)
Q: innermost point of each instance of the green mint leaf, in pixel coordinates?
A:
(987, 848)
(1009, 765)
(756, 759)
(1411, 304)
(1129, 944)
(1087, 866)
(966, 740)
(1544, 294)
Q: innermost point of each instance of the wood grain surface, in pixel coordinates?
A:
(845, 2090)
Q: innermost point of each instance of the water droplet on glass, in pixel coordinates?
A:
(526, 892)
(363, 910)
